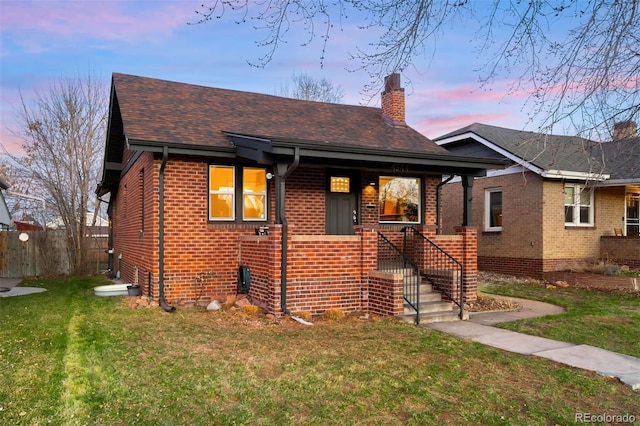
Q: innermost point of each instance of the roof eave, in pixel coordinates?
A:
(621, 182)
(570, 174)
(182, 149)
(260, 149)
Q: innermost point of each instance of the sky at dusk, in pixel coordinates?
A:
(44, 40)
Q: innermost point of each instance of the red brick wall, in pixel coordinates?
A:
(134, 248)
(305, 201)
(202, 258)
(323, 272)
(262, 255)
(386, 293)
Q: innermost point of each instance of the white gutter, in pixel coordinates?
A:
(567, 174)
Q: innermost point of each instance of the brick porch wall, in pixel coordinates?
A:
(386, 293)
(463, 247)
(323, 271)
(621, 250)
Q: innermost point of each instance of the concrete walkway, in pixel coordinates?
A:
(480, 329)
(11, 284)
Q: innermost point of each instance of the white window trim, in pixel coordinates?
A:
(577, 189)
(487, 209)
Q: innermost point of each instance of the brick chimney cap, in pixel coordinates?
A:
(392, 82)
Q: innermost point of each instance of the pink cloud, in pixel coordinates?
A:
(10, 142)
(433, 127)
(470, 92)
(110, 20)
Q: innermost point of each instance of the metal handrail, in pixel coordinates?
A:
(441, 268)
(392, 259)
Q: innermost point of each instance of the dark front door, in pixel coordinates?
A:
(341, 213)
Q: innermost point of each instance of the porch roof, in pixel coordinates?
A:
(148, 114)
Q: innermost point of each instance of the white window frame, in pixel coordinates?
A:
(487, 209)
(576, 204)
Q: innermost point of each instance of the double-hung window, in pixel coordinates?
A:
(233, 189)
(493, 210)
(578, 206)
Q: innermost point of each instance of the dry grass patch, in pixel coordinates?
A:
(251, 310)
(333, 314)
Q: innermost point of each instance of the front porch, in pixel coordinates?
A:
(352, 273)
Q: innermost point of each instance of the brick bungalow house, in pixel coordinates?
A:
(560, 201)
(321, 202)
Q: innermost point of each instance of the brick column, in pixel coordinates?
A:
(369, 261)
(275, 237)
(469, 261)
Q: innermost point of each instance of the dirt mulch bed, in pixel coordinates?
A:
(489, 303)
(594, 281)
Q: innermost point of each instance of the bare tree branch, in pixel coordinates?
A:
(307, 88)
(579, 60)
(63, 140)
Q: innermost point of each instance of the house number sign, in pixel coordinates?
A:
(398, 168)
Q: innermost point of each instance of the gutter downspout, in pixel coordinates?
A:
(162, 302)
(282, 175)
(440, 185)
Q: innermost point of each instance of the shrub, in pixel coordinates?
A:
(333, 314)
(305, 315)
(251, 310)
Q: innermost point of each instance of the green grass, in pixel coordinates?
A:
(70, 358)
(605, 319)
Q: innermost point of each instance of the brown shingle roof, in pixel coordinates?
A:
(164, 112)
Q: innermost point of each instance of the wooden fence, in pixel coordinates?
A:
(45, 253)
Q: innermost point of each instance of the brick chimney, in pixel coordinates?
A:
(625, 130)
(393, 101)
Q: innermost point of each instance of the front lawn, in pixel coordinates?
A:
(68, 357)
(605, 319)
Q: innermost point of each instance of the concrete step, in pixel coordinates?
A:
(432, 317)
(425, 288)
(427, 307)
(430, 296)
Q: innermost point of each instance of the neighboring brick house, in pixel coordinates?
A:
(563, 200)
(203, 180)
